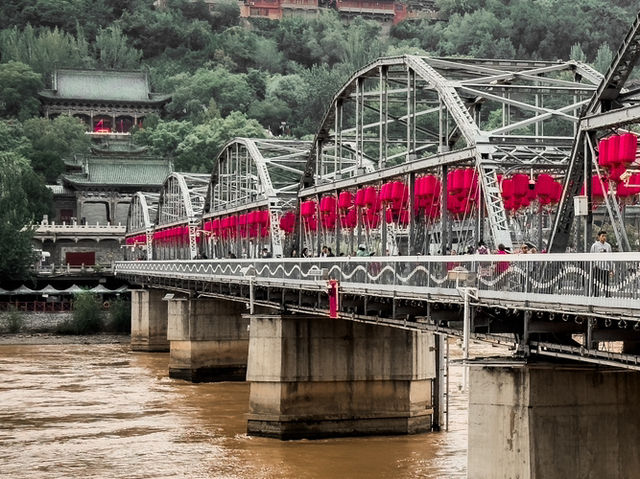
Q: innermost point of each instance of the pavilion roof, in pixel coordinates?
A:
(121, 171)
(110, 85)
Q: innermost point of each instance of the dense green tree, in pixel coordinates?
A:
(271, 113)
(577, 53)
(192, 94)
(200, 147)
(45, 49)
(114, 50)
(226, 13)
(153, 31)
(54, 140)
(19, 86)
(12, 138)
(603, 59)
(163, 139)
(18, 185)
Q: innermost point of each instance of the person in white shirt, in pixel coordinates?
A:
(601, 269)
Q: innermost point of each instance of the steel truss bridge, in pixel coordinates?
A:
(397, 121)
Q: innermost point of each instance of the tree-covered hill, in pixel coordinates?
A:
(269, 72)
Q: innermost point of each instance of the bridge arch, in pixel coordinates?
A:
(399, 118)
(253, 180)
(143, 211)
(180, 205)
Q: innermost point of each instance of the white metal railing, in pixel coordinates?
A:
(579, 279)
(45, 228)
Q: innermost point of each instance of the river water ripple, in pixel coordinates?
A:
(101, 411)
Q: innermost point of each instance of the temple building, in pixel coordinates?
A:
(92, 196)
(107, 101)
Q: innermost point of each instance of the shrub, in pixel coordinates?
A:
(14, 321)
(120, 316)
(87, 316)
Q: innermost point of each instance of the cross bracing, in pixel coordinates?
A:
(182, 198)
(614, 106)
(181, 202)
(143, 212)
(405, 110)
(251, 174)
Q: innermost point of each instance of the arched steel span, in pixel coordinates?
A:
(250, 174)
(143, 211)
(401, 115)
(181, 202)
(613, 106)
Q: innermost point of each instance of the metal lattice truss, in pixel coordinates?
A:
(181, 202)
(143, 210)
(413, 113)
(250, 174)
(615, 104)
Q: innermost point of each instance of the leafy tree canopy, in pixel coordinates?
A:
(19, 86)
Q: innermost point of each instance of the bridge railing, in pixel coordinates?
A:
(566, 278)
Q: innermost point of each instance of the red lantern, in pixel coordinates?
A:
(556, 194)
(520, 185)
(616, 171)
(599, 187)
(370, 196)
(345, 200)
(507, 188)
(628, 147)
(308, 208)
(603, 153)
(544, 185)
(457, 181)
(613, 149)
(470, 179)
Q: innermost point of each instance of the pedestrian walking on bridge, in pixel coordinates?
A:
(601, 269)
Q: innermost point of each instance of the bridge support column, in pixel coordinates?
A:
(320, 377)
(148, 321)
(209, 340)
(553, 421)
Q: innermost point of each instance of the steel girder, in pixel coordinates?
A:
(143, 207)
(400, 110)
(252, 173)
(610, 107)
(181, 202)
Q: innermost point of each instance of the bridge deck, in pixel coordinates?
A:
(594, 296)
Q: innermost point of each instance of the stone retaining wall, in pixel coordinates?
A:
(35, 322)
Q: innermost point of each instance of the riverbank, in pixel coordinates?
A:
(51, 338)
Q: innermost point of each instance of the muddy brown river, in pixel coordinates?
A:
(101, 411)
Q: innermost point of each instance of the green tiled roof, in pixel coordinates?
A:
(102, 85)
(121, 171)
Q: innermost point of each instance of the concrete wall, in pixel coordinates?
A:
(148, 320)
(107, 251)
(209, 340)
(316, 377)
(553, 421)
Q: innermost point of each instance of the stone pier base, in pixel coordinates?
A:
(209, 340)
(553, 421)
(318, 377)
(148, 321)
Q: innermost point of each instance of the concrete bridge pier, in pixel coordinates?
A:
(553, 421)
(317, 377)
(148, 321)
(209, 340)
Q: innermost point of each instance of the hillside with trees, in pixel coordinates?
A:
(235, 77)
(229, 75)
